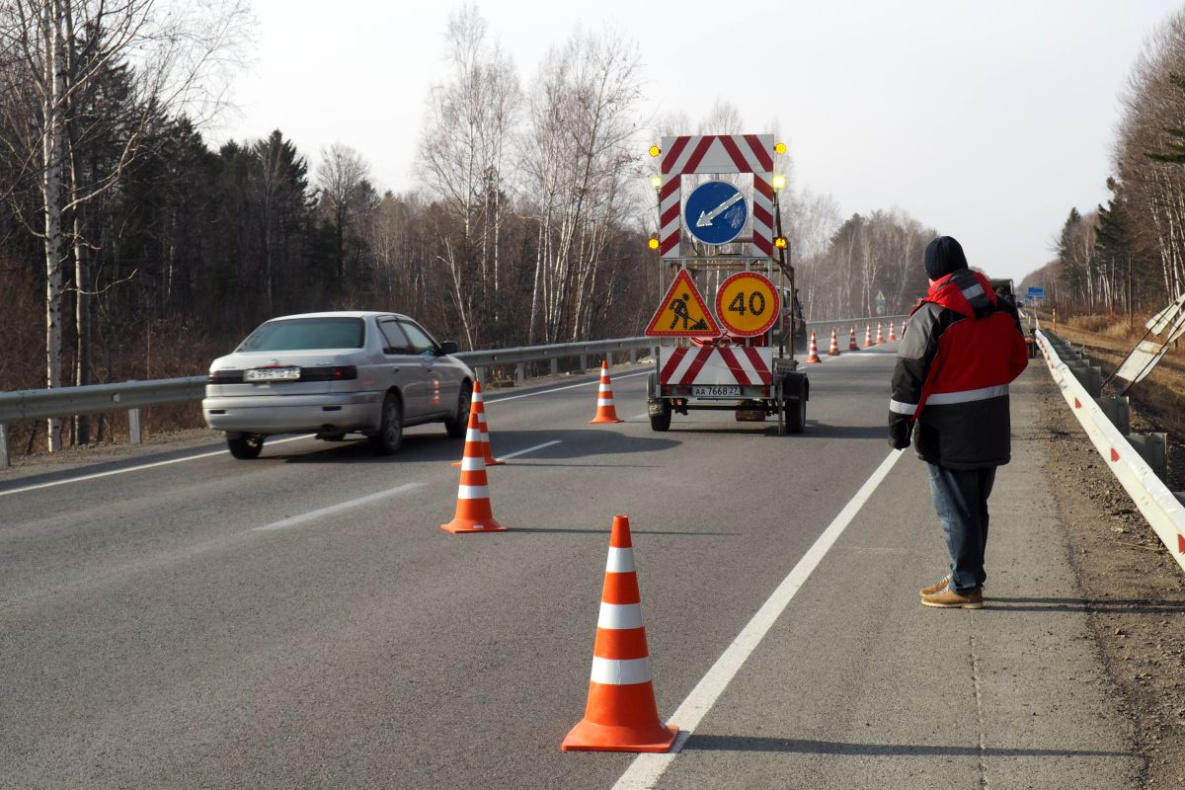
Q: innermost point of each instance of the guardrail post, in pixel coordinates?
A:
(135, 435)
(1154, 449)
(555, 366)
(5, 458)
(583, 362)
(520, 374)
(633, 355)
(1118, 411)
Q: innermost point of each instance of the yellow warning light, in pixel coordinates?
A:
(655, 150)
(780, 148)
(780, 242)
(656, 181)
(653, 244)
(779, 182)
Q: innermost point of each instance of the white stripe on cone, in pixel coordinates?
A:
(473, 492)
(620, 560)
(615, 672)
(620, 616)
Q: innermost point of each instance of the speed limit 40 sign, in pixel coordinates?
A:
(747, 304)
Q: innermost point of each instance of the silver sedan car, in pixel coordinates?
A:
(336, 373)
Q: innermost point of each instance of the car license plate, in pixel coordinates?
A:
(716, 390)
(272, 374)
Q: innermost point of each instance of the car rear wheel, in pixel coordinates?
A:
(459, 423)
(245, 447)
(390, 435)
(795, 415)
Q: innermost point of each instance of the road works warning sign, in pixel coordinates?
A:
(683, 312)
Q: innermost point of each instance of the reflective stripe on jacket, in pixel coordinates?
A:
(961, 349)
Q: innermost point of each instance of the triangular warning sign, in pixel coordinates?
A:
(682, 312)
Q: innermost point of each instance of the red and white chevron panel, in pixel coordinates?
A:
(716, 154)
(746, 366)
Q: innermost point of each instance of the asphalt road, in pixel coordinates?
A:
(301, 621)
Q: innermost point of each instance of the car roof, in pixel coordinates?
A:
(341, 314)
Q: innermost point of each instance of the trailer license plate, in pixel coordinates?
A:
(716, 390)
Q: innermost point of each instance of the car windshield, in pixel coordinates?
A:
(306, 334)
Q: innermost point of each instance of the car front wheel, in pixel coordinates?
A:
(458, 423)
(245, 447)
(390, 435)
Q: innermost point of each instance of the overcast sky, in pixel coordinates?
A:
(987, 121)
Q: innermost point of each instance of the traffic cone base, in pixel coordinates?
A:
(589, 737)
(606, 410)
(460, 526)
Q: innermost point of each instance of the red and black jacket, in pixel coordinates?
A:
(961, 349)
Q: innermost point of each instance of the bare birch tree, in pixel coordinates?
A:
(57, 51)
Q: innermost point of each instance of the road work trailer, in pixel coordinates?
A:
(724, 240)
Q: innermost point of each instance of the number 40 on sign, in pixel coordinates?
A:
(747, 304)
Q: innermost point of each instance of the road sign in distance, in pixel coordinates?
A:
(1036, 292)
(747, 304)
(716, 212)
(683, 312)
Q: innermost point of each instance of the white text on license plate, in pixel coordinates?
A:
(718, 390)
(272, 374)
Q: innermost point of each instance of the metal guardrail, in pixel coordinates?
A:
(1121, 454)
(131, 396)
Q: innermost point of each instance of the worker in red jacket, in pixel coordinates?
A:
(961, 348)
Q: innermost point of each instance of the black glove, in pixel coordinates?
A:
(899, 433)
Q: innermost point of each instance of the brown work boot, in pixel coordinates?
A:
(946, 598)
(935, 587)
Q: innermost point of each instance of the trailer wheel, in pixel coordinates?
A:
(662, 420)
(795, 415)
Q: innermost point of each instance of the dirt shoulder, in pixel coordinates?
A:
(1133, 590)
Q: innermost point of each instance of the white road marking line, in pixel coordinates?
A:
(647, 769)
(137, 468)
(339, 508)
(531, 449)
(592, 383)
(641, 416)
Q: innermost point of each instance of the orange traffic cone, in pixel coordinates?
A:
(621, 714)
(473, 495)
(852, 339)
(880, 334)
(833, 350)
(478, 404)
(892, 331)
(813, 351)
(867, 335)
(606, 411)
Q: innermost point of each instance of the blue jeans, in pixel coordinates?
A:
(960, 497)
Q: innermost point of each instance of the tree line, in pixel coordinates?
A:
(1129, 255)
(131, 249)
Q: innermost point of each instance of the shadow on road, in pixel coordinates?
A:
(731, 743)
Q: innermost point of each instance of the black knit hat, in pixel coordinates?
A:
(943, 256)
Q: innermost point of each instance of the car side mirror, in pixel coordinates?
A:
(449, 347)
